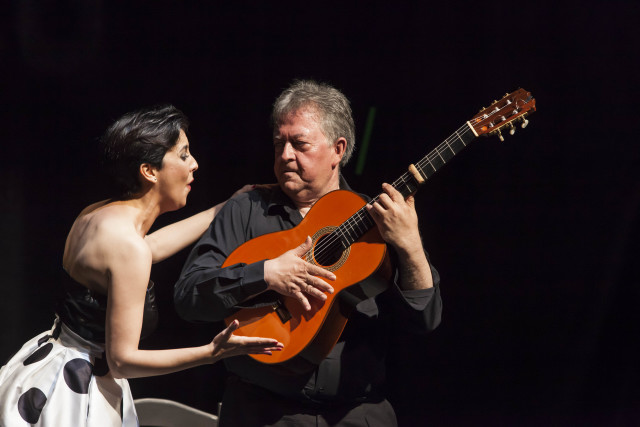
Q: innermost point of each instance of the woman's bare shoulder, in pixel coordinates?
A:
(101, 235)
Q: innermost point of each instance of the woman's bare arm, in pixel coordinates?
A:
(129, 268)
(177, 236)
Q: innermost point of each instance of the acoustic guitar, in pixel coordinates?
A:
(346, 242)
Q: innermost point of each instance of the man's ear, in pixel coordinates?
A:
(339, 147)
(148, 172)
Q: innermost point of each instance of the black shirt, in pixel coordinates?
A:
(354, 370)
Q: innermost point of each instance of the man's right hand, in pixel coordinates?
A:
(292, 276)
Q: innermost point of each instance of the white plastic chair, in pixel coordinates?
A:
(168, 413)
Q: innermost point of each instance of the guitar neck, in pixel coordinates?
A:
(409, 182)
(361, 222)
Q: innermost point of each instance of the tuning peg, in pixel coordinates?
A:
(500, 135)
(512, 129)
(525, 122)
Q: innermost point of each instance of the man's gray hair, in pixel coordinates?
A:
(331, 105)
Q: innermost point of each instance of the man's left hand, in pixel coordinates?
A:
(396, 218)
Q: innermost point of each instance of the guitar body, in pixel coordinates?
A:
(313, 334)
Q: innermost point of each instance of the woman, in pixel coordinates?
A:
(75, 374)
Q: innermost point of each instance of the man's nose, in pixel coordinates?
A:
(287, 151)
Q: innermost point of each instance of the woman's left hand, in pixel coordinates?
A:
(225, 344)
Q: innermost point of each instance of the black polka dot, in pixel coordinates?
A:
(77, 375)
(100, 366)
(30, 405)
(39, 354)
(43, 340)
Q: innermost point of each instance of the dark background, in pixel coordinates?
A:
(535, 238)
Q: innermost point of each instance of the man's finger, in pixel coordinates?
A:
(312, 290)
(320, 284)
(315, 270)
(392, 192)
(376, 209)
(303, 248)
(386, 201)
(303, 300)
(411, 201)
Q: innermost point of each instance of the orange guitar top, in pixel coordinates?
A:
(289, 322)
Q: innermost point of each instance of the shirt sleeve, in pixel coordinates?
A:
(421, 308)
(207, 292)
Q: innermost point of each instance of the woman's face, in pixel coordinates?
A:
(176, 175)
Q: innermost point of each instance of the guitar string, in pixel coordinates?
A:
(357, 218)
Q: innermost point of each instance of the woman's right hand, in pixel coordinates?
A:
(225, 344)
(244, 189)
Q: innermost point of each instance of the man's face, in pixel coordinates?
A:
(305, 163)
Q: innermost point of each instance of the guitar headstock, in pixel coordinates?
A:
(511, 109)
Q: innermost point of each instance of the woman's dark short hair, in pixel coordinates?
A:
(138, 137)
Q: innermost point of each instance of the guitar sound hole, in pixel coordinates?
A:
(327, 250)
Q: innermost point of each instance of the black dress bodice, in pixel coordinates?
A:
(84, 311)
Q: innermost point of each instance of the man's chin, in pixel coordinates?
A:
(290, 187)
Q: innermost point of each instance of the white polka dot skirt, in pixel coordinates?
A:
(61, 379)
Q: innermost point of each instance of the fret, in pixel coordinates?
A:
(422, 172)
(465, 136)
(437, 150)
(409, 185)
(435, 169)
(344, 240)
(461, 139)
(406, 189)
(436, 161)
(449, 146)
(350, 232)
(458, 144)
(426, 167)
(446, 154)
(362, 228)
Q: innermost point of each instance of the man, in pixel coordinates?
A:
(313, 138)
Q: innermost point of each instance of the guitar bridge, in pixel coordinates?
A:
(282, 311)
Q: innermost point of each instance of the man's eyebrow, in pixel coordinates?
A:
(294, 137)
